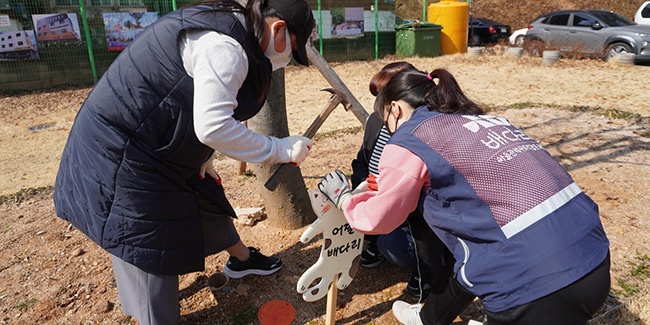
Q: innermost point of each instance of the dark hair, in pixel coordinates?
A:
(380, 79)
(254, 12)
(438, 90)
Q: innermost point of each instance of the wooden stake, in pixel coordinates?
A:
(242, 168)
(330, 316)
(336, 82)
(242, 164)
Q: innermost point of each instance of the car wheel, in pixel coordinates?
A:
(617, 48)
(519, 40)
(534, 47)
(474, 40)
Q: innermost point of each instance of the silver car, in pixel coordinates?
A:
(599, 33)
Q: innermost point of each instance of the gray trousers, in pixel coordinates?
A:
(151, 298)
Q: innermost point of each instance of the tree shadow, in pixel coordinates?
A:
(605, 145)
(614, 312)
(235, 308)
(366, 316)
(199, 283)
(602, 145)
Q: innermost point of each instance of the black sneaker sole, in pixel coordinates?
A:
(240, 274)
(371, 265)
(413, 292)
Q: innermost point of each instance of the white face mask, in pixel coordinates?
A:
(279, 60)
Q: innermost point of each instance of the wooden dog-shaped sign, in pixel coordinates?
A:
(340, 252)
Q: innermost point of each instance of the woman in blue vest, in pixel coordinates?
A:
(136, 175)
(525, 238)
(403, 245)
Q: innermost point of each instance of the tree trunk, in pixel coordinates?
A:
(288, 207)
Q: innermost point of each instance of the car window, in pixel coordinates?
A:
(580, 20)
(613, 19)
(645, 13)
(559, 20)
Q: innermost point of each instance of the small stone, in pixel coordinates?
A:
(77, 252)
(104, 307)
(242, 289)
(249, 216)
(291, 279)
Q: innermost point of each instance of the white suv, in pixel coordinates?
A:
(643, 14)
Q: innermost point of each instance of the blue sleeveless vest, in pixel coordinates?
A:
(516, 222)
(128, 173)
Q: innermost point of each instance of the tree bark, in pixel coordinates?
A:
(289, 206)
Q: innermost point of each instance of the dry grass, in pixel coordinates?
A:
(569, 106)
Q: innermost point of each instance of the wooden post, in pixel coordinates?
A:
(242, 168)
(336, 82)
(330, 315)
(242, 164)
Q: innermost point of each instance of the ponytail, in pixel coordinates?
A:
(447, 96)
(438, 90)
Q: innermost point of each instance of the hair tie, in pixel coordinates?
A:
(429, 77)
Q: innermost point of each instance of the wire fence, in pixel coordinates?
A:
(50, 43)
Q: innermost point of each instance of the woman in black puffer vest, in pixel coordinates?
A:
(133, 172)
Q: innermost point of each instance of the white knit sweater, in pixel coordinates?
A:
(219, 65)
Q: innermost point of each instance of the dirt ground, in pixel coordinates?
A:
(592, 116)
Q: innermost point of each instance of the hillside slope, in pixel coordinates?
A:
(519, 13)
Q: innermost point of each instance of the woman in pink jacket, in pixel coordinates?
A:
(525, 238)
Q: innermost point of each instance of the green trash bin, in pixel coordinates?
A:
(419, 38)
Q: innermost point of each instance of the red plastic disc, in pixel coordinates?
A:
(276, 312)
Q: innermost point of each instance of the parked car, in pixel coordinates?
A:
(483, 31)
(517, 37)
(642, 15)
(599, 33)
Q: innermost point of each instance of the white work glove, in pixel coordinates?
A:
(300, 147)
(208, 168)
(335, 186)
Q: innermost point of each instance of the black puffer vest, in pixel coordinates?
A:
(128, 173)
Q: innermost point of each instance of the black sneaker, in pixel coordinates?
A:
(371, 257)
(414, 287)
(256, 264)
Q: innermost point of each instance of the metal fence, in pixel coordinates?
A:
(49, 43)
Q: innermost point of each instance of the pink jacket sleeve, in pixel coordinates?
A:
(402, 175)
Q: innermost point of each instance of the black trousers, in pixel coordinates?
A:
(572, 305)
(435, 261)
